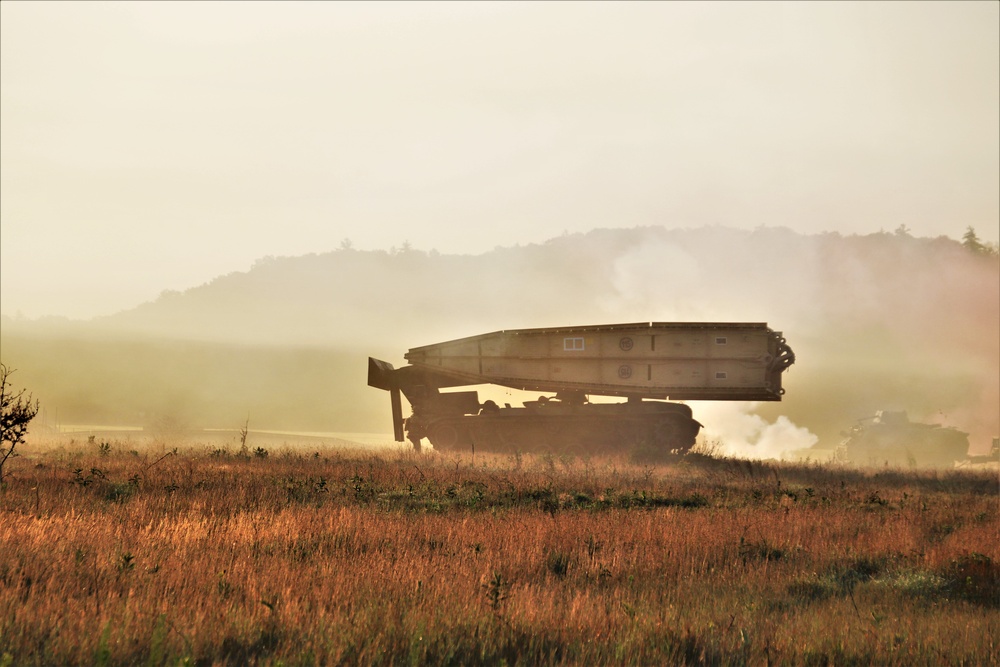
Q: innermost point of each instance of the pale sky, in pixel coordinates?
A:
(151, 146)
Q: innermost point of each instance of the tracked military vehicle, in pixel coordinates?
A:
(645, 363)
(890, 438)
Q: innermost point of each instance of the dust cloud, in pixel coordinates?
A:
(733, 429)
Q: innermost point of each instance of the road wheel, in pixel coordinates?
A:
(443, 436)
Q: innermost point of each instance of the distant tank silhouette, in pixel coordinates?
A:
(890, 438)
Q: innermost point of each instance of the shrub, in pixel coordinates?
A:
(16, 411)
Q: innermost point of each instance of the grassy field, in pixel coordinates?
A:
(209, 556)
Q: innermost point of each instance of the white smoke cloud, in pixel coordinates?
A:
(740, 433)
(641, 274)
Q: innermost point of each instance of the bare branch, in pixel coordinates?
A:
(17, 409)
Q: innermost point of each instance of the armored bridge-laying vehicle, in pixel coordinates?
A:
(645, 363)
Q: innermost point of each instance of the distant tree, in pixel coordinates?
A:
(971, 241)
(264, 261)
(347, 244)
(902, 230)
(16, 410)
(974, 245)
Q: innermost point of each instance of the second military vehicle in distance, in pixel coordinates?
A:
(890, 439)
(645, 363)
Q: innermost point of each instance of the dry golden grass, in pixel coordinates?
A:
(205, 557)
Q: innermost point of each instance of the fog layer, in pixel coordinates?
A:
(881, 321)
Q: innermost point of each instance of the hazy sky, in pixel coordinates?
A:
(151, 146)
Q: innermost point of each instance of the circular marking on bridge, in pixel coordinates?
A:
(626, 344)
(624, 372)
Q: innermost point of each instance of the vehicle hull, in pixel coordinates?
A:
(564, 429)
